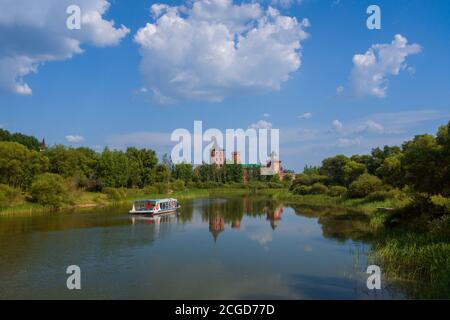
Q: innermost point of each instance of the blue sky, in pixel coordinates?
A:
(97, 94)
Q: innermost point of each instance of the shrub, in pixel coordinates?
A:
(364, 185)
(162, 187)
(337, 191)
(302, 190)
(318, 188)
(178, 185)
(8, 195)
(440, 227)
(115, 194)
(379, 196)
(275, 185)
(49, 190)
(309, 180)
(150, 190)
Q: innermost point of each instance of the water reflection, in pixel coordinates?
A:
(249, 247)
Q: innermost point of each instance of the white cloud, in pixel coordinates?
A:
(371, 126)
(33, 32)
(284, 3)
(74, 138)
(340, 90)
(261, 124)
(266, 115)
(337, 126)
(371, 70)
(211, 49)
(307, 115)
(346, 142)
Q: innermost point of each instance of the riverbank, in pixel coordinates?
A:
(84, 199)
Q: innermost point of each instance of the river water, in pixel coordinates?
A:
(215, 248)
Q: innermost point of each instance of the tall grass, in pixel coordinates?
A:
(423, 260)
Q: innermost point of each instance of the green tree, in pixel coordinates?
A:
(49, 190)
(28, 141)
(8, 195)
(113, 169)
(333, 167)
(352, 170)
(422, 164)
(19, 165)
(235, 173)
(443, 139)
(378, 155)
(390, 171)
(141, 163)
(183, 171)
(364, 185)
(79, 163)
(161, 173)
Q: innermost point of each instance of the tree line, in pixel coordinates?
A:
(421, 165)
(27, 166)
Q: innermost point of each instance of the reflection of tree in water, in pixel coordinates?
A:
(186, 212)
(338, 224)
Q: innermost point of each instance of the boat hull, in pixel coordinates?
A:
(152, 212)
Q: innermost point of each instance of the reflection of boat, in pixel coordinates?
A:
(157, 206)
(155, 219)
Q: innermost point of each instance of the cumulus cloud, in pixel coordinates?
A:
(211, 49)
(284, 3)
(33, 32)
(261, 124)
(371, 70)
(74, 138)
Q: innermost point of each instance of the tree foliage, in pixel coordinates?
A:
(19, 165)
(49, 190)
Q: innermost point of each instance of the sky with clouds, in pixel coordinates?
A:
(311, 68)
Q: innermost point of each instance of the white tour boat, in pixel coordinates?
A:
(155, 206)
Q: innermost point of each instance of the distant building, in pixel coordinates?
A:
(236, 156)
(273, 167)
(43, 146)
(217, 155)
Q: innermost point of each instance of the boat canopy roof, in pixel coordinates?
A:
(156, 200)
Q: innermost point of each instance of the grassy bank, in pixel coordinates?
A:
(366, 206)
(418, 262)
(82, 199)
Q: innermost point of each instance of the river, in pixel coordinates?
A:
(215, 248)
